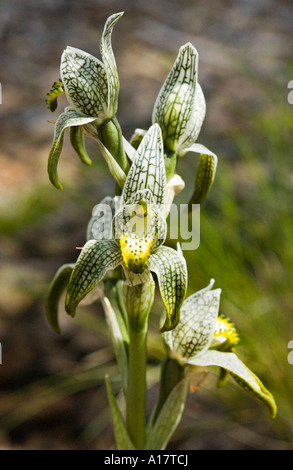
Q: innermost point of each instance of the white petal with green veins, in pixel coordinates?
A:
(238, 370)
(85, 82)
(109, 61)
(174, 108)
(148, 168)
(95, 259)
(170, 268)
(194, 124)
(198, 319)
(66, 119)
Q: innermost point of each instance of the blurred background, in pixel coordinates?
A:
(52, 393)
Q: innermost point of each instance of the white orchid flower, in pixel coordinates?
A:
(139, 251)
(91, 87)
(203, 338)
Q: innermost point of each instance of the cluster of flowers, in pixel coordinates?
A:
(194, 332)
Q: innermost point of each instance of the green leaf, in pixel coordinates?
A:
(148, 168)
(109, 62)
(122, 438)
(117, 340)
(170, 268)
(169, 417)
(66, 119)
(206, 171)
(78, 143)
(180, 106)
(57, 287)
(95, 259)
(240, 373)
(198, 320)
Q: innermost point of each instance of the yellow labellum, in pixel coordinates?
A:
(225, 335)
(135, 251)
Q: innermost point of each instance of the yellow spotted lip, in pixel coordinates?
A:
(138, 231)
(135, 251)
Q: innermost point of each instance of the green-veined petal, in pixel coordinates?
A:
(66, 119)
(57, 287)
(206, 171)
(198, 320)
(148, 168)
(194, 124)
(238, 370)
(85, 82)
(170, 268)
(95, 259)
(180, 106)
(110, 63)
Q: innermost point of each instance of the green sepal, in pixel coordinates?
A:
(95, 259)
(205, 174)
(204, 179)
(57, 287)
(78, 143)
(122, 438)
(56, 90)
(148, 168)
(223, 377)
(170, 267)
(169, 417)
(66, 119)
(198, 318)
(110, 62)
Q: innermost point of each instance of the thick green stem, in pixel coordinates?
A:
(111, 135)
(171, 373)
(138, 301)
(136, 392)
(170, 164)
